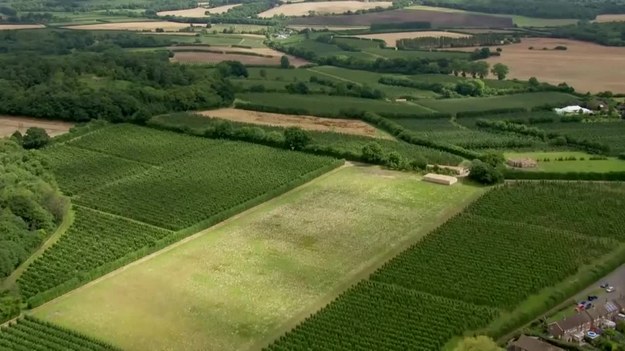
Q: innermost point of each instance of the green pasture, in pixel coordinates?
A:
(525, 100)
(326, 104)
(582, 164)
(242, 283)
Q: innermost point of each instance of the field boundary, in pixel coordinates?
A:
(364, 271)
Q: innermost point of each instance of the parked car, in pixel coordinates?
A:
(592, 297)
(609, 289)
(604, 285)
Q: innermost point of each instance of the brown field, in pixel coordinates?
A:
(392, 38)
(20, 26)
(322, 7)
(135, 26)
(198, 11)
(438, 19)
(585, 66)
(346, 126)
(610, 18)
(328, 27)
(216, 55)
(9, 124)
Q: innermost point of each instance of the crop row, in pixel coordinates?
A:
(145, 145)
(377, 316)
(78, 170)
(222, 175)
(590, 209)
(608, 133)
(93, 240)
(490, 262)
(30, 334)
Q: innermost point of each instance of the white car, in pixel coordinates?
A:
(609, 289)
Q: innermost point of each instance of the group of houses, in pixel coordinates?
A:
(574, 328)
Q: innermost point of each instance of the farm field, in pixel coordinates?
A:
(20, 26)
(347, 126)
(526, 100)
(391, 38)
(589, 66)
(610, 18)
(156, 185)
(135, 26)
(326, 104)
(608, 133)
(582, 164)
(277, 255)
(213, 57)
(438, 20)
(521, 21)
(449, 279)
(322, 7)
(198, 12)
(10, 124)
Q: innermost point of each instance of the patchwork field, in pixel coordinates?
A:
(323, 7)
(470, 275)
(557, 162)
(336, 125)
(10, 124)
(198, 12)
(391, 38)
(438, 19)
(200, 56)
(589, 66)
(527, 100)
(240, 284)
(136, 189)
(136, 26)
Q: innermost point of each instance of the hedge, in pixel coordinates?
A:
(533, 175)
(497, 111)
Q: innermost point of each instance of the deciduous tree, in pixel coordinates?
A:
(500, 70)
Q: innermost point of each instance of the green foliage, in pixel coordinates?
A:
(500, 70)
(295, 138)
(609, 33)
(284, 62)
(526, 101)
(373, 153)
(232, 69)
(477, 343)
(29, 333)
(30, 204)
(452, 279)
(484, 173)
(35, 138)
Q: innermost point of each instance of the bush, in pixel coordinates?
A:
(295, 138)
(484, 173)
(35, 138)
(621, 156)
(373, 153)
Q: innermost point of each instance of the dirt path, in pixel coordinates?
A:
(190, 238)
(10, 281)
(361, 273)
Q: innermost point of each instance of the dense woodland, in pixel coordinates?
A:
(610, 33)
(78, 76)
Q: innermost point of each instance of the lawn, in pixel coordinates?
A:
(612, 164)
(526, 100)
(240, 284)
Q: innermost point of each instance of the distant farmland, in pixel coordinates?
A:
(438, 19)
(322, 8)
(392, 38)
(198, 11)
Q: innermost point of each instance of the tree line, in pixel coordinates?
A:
(486, 39)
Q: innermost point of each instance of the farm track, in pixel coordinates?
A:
(183, 241)
(362, 272)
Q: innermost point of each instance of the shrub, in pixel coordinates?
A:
(484, 173)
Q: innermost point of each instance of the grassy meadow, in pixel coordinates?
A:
(245, 281)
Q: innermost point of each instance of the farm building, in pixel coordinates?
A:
(576, 109)
(526, 343)
(440, 179)
(522, 163)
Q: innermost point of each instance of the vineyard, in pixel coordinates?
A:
(92, 241)
(485, 261)
(30, 334)
(133, 187)
(608, 133)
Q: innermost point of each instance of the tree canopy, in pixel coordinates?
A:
(478, 343)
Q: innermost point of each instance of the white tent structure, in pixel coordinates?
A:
(573, 110)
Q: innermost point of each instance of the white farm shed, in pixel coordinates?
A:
(573, 110)
(440, 179)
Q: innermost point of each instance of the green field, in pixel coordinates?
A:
(489, 269)
(526, 100)
(137, 189)
(331, 105)
(582, 164)
(239, 284)
(608, 133)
